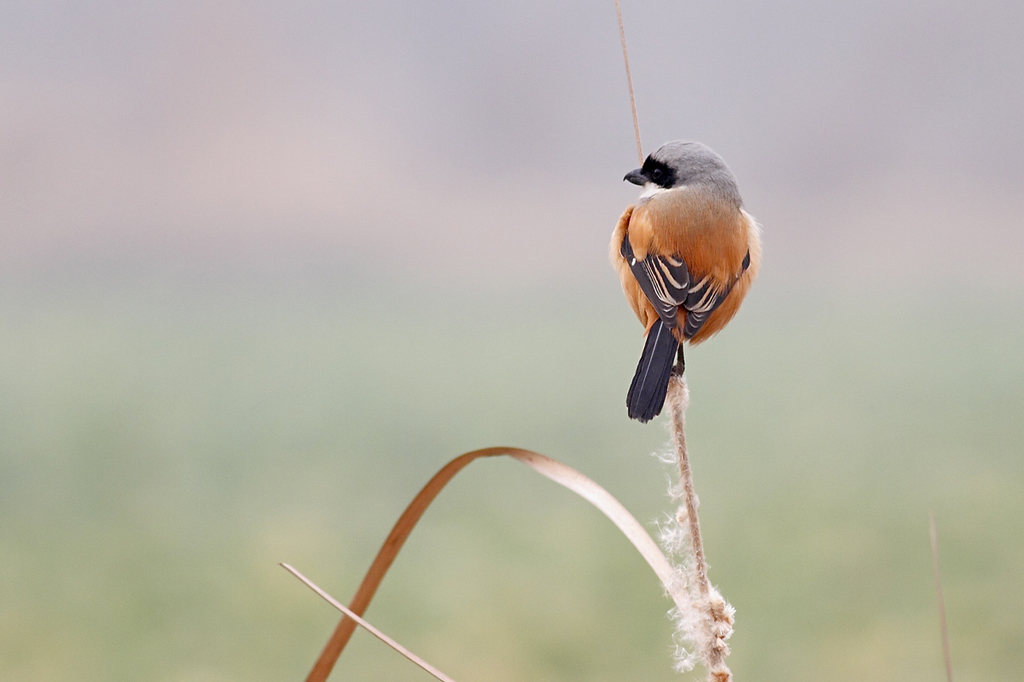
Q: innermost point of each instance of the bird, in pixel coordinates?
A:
(686, 254)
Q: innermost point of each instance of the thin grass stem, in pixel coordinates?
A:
(934, 534)
(369, 628)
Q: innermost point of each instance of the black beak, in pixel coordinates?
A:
(637, 177)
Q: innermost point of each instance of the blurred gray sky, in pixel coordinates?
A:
(876, 141)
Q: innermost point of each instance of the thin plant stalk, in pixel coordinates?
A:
(629, 82)
(938, 593)
(710, 625)
(370, 628)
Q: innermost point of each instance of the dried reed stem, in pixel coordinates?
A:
(680, 400)
(710, 625)
(388, 551)
(554, 470)
(938, 591)
(629, 82)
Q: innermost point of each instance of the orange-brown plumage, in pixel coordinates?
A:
(711, 238)
(686, 254)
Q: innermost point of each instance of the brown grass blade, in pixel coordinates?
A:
(374, 631)
(552, 469)
(934, 535)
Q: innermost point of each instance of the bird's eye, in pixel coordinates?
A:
(656, 174)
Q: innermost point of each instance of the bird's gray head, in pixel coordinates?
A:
(678, 164)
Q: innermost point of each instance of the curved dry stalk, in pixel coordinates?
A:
(556, 471)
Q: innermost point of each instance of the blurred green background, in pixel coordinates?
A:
(164, 447)
(265, 267)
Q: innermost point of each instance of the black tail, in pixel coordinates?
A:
(646, 394)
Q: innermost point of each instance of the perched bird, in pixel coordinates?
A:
(686, 254)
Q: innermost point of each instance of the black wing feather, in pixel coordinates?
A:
(665, 281)
(667, 284)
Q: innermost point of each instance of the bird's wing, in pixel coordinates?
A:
(668, 285)
(664, 280)
(701, 300)
(704, 297)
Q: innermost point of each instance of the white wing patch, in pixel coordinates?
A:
(668, 285)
